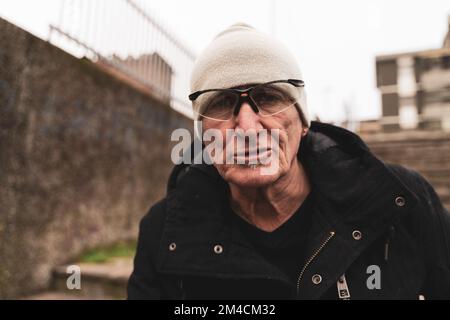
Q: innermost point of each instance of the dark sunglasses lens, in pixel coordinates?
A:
(272, 98)
(219, 104)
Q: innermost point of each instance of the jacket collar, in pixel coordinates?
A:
(356, 192)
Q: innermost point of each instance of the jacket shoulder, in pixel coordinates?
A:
(152, 224)
(434, 219)
(156, 213)
(143, 283)
(412, 179)
(433, 209)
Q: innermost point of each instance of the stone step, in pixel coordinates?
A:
(431, 167)
(98, 280)
(418, 162)
(438, 182)
(53, 295)
(419, 150)
(413, 153)
(442, 174)
(401, 144)
(405, 159)
(405, 145)
(421, 165)
(444, 194)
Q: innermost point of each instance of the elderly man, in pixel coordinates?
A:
(330, 222)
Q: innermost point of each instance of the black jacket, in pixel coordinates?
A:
(371, 214)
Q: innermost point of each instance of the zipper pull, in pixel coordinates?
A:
(182, 292)
(386, 250)
(388, 240)
(342, 287)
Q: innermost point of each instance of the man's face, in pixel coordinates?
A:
(290, 131)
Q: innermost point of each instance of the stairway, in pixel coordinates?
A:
(99, 281)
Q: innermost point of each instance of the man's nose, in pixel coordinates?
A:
(247, 118)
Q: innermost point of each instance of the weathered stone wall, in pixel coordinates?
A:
(82, 158)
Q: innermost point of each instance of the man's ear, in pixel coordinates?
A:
(305, 131)
(301, 117)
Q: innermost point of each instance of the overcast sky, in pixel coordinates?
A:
(335, 42)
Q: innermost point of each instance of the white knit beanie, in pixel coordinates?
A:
(242, 55)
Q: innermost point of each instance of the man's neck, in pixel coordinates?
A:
(269, 207)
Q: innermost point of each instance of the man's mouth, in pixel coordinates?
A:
(252, 157)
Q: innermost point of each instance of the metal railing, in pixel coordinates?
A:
(124, 36)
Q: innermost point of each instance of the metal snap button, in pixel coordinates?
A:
(400, 201)
(357, 235)
(316, 279)
(218, 249)
(172, 246)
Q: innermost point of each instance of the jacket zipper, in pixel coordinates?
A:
(181, 287)
(342, 287)
(387, 243)
(308, 262)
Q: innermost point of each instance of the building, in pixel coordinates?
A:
(415, 88)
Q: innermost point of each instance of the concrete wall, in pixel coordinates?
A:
(82, 158)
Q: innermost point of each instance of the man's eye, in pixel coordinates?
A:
(223, 101)
(271, 97)
(267, 98)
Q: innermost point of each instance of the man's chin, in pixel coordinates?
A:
(249, 176)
